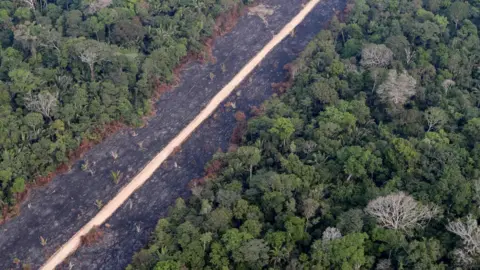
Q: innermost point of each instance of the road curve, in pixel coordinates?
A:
(73, 243)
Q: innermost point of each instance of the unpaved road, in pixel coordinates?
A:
(155, 163)
(60, 209)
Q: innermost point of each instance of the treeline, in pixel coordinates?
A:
(371, 160)
(68, 67)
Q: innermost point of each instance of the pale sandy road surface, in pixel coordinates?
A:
(72, 198)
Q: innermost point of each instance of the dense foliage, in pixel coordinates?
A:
(68, 67)
(370, 160)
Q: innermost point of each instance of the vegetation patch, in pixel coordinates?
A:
(73, 73)
(368, 160)
(92, 237)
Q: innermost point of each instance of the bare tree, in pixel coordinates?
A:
(25, 34)
(97, 5)
(397, 88)
(44, 103)
(409, 54)
(92, 52)
(435, 117)
(63, 82)
(30, 3)
(330, 233)
(384, 264)
(377, 74)
(309, 208)
(49, 38)
(447, 84)
(374, 55)
(476, 189)
(90, 58)
(469, 232)
(400, 211)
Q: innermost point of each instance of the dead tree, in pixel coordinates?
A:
(397, 88)
(435, 117)
(90, 58)
(400, 211)
(96, 5)
(330, 233)
(447, 84)
(44, 103)
(374, 55)
(469, 232)
(92, 52)
(409, 54)
(30, 3)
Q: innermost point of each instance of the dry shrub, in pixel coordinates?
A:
(257, 111)
(213, 167)
(232, 148)
(237, 134)
(282, 87)
(240, 116)
(240, 128)
(176, 150)
(92, 237)
(196, 182)
(225, 22)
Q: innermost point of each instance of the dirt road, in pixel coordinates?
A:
(112, 206)
(72, 196)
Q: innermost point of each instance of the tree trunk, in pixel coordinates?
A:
(92, 72)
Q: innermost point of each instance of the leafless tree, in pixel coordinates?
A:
(197, 189)
(397, 88)
(350, 67)
(476, 189)
(330, 233)
(25, 35)
(374, 55)
(50, 38)
(44, 103)
(64, 82)
(409, 54)
(469, 232)
(377, 74)
(32, 35)
(400, 211)
(309, 147)
(435, 117)
(92, 52)
(30, 3)
(90, 58)
(309, 208)
(97, 5)
(447, 84)
(384, 264)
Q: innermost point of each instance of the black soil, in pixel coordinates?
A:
(58, 210)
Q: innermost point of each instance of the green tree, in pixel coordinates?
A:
(283, 128)
(347, 252)
(351, 221)
(18, 185)
(458, 11)
(425, 254)
(254, 253)
(249, 155)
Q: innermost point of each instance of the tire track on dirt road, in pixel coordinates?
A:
(71, 245)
